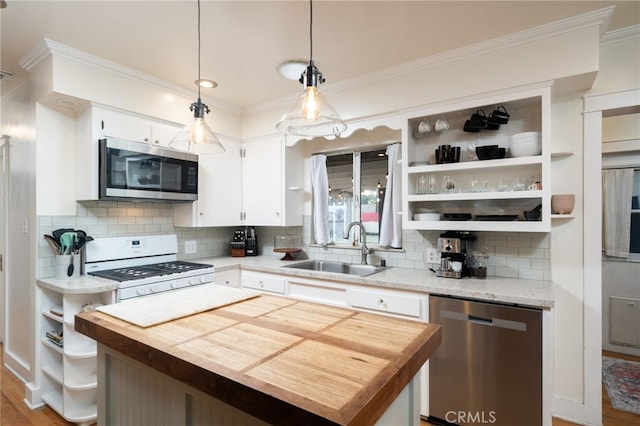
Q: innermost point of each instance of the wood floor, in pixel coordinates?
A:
(14, 412)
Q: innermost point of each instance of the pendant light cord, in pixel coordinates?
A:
(311, 31)
(198, 49)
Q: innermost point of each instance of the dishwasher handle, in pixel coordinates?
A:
(489, 322)
(479, 320)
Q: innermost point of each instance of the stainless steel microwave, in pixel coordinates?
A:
(134, 170)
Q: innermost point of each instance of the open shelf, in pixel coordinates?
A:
(498, 187)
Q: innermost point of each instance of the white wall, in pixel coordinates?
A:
(18, 122)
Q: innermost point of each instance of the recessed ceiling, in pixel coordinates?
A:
(243, 42)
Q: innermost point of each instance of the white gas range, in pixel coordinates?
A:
(143, 265)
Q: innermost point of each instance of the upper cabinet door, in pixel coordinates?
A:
(272, 183)
(219, 191)
(262, 183)
(121, 126)
(162, 134)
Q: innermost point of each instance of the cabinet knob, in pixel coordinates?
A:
(156, 141)
(146, 139)
(201, 214)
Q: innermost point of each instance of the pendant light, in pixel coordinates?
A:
(311, 114)
(196, 137)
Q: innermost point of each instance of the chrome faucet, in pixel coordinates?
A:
(365, 250)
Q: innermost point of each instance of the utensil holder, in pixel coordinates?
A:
(62, 266)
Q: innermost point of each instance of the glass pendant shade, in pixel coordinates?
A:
(311, 114)
(196, 137)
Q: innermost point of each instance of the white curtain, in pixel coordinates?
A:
(320, 191)
(391, 223)
(617, 189)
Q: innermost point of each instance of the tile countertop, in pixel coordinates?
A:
(494, 289)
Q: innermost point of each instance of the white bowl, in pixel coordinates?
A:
(525, 144)
(426, 216)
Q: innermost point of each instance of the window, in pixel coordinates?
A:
(365, 175)
(634, 246)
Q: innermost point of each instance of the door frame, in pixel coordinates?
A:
(596, 106)
(4, 178)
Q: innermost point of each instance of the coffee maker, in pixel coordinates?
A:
(453, 247)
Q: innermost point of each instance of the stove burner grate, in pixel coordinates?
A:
(145, 271)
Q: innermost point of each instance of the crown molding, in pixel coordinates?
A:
(600, 17)
(622, 34)
(47, 47)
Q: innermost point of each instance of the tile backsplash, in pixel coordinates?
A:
(514, 255)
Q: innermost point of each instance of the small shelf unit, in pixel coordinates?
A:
(68, 371)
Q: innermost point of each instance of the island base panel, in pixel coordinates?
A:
(130, 393)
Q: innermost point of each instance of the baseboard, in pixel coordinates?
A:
(33, 396)
(575, 412)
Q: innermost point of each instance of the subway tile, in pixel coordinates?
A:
(117, 229)
(406, 263)
(86, 220)
(98, 211)
(533, 253)
(63, 221)
(117, 211)
(518, 262)
(151, 212)
(151, 228)
(530, 274)
(502, 271)
(506, 251)
(108, 220)
(518, 241)
(542, 264)
(131, 211)
(125, 220)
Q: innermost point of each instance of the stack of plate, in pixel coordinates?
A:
(426, 214)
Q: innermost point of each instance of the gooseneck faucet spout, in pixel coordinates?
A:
(365, 250)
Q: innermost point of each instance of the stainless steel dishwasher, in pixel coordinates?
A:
(488, 368)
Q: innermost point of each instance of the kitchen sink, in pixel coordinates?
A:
(338, 267)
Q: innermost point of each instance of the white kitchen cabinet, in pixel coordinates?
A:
(391, 302)
(397, 303)
(497, 204)
(219, 191)
(268, 283)
(317, 291)
(257, 183)
(130, 126)
(272, 183)
(68, 371)
(228, 278)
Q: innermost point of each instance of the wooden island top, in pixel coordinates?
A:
(281, 360)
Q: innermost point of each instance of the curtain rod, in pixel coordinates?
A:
(635, 168)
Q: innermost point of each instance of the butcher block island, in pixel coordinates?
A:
(262, 360)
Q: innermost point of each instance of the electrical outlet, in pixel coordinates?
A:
(432, 255)
(190, 246)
